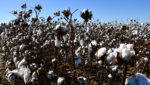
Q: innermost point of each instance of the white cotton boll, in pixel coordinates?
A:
(88, 30)
(81, 79)
(109, 76)
(60, 80)
(2, 35)
(146, 59)
(50, 73)
(125, 53)
(100, 52)
(84, 10)
(57, 43)
(34, 65)
(77, 51)
(57, 27)
(22, 62)
(16, 63)
(53, 60)
(111, 57)
(109, 51)
(8, 62)
(65, 38)
(10, 77)
(34, 77)
(100, 62)
(130, 46)
(15, 59)
(27, 75)
(3, 48)
(130, 81)
(122, 46)
(113, 67)
(135, 32)
(94, 42)
(82, 42)
(22, 47)
(39, 32)
(62, 28)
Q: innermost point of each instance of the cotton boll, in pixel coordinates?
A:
(22, 62)
(27, 75)
(130, 46)
(57, 43)
(34, 77)
(15, 59)
(53, 60)
(113, 67)
(109, 76)
(94, 42)
(122, 46)
(50, 73)
(125, 53)
(81, 79)
(82, 42)
(111, 57)
(39, 32)
(65, 38)
(10, 77)
(146, 59)
(100, 52)
(60, 80)
(77, 51)
(100, 62)
(22, 47)
(109, 51)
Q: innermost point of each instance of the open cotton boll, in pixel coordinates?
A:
(109, 76)
(109, 51)
(146, 59)
(22, 62)
(100, 52)
(50, 73)
(61, 28)
(81, 79)
(122, 46)
(22, 47)
(130, 46)
(111, 57)
(94, 42)
(60, 80)
(26, 75)
(82, 42)
(100, 62)
(39, 32)
(10, 75)
(113, 67)
(57, 43)
(34, 77)
(125, 54)
(77, 51)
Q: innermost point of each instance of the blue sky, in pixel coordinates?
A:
(105, 10)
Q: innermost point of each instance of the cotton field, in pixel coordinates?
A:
(60, 50)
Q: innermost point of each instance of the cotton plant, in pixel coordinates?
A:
(33, 46)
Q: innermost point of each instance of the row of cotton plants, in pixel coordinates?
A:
(64, 51)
